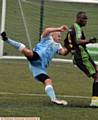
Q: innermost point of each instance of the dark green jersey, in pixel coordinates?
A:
(79, 52)
(72, 39)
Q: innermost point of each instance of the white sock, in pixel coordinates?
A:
(50, 92)
(16, 44)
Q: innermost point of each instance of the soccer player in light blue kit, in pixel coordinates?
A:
(41, 55)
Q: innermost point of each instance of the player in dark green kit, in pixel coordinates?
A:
(75, 42)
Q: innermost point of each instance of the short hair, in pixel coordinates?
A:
(80, 13)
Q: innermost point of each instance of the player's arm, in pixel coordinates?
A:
(86, 41)
(49, 30)
(20, 46)
(63, 51)
(83, 42)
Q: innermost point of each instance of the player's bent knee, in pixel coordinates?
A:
(42, 78)
(27, 52)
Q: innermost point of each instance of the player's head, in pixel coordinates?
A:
(56, 36)
(81, 18)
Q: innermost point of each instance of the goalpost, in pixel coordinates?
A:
(91, 47)
(81, 1)
(2, 25)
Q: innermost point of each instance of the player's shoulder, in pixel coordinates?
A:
(72, 29)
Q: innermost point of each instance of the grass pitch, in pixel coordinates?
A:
(21, 95)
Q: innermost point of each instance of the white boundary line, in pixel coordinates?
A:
(42, 95)
(24, 58)
(78, 1)
(72, 1)
(54, 59)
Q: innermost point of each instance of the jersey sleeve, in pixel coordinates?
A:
(59, 47)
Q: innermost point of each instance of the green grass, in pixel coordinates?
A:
(68, 80)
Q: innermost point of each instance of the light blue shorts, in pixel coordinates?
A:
(37, 68)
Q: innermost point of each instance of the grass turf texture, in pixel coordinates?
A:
(68, 80)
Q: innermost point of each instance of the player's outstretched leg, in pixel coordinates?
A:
(4, 37)
(51, 93)
(17, 45)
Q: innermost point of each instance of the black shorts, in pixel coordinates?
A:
(34, 57)
(42, 77)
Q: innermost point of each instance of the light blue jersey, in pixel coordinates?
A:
(46, 49)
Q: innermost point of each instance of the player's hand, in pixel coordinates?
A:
(93, 40)
(63, 28)
(3, 36)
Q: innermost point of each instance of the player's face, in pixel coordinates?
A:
(57, 37)
(82, 20)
